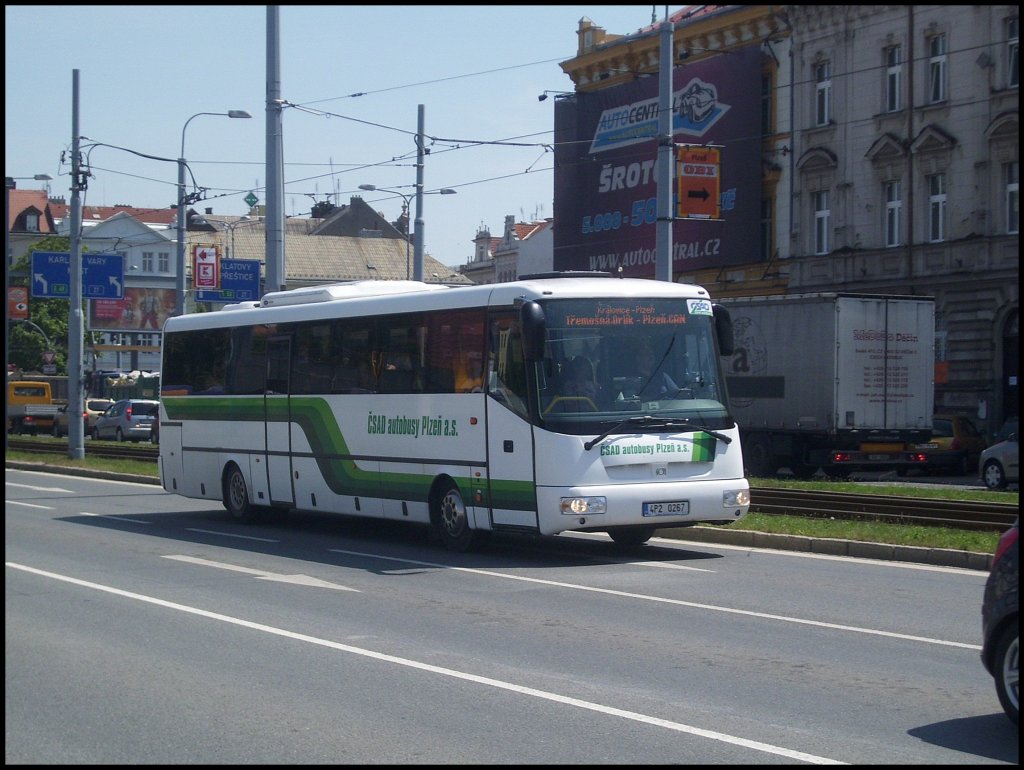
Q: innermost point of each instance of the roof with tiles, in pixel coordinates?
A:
(96, 214)
(526, 230)
(313, 259)
(34, 201)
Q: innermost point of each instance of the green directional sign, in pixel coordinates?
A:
(251, 199)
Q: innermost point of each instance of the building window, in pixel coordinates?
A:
(1013, 52)
(147, 261)
(937, 69)
(163, 262)
(823, 94)
(1011, 172)
(766, 228)
(31, 222)
(893, 78)
(822, 214)
(893, 213)
(936, 208)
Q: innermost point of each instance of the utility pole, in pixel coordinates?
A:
(417, 272)
(663, 234)
(274, 270)
(76, 327)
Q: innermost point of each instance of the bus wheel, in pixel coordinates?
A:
(449, 518)
(631, 537)
(236, 497)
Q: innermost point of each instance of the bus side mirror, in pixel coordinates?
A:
(531, 318)
(723, 328)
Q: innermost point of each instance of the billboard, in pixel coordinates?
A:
(606, 154)
(141, 309)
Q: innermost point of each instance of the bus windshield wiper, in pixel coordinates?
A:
(684, 426)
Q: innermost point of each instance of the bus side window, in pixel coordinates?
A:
(506, 367)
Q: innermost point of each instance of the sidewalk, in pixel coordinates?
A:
(940, 557)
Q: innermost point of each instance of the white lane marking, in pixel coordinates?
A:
(964, 571)
(113, 518)
(695, 544)
(667, 565)
(38, 489)
(231, 534)
(29, 505)
(304, 580)
(496, 683)
(678, 602)
(156, 488)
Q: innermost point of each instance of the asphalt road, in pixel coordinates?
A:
(146, 628)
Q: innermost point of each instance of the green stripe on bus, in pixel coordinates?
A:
(317, 421)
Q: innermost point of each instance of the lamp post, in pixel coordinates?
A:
(405, 210)
(179, 302)
(229, 226)
(10, 184)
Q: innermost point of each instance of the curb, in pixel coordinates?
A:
(87, 472)
(939, 557)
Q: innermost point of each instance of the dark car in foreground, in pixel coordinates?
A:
(1000, 650)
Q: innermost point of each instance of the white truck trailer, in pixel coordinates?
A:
(837, 381)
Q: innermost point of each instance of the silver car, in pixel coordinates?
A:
(999, 464)
(127, 420)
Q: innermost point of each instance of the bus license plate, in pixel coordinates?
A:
(675, 508)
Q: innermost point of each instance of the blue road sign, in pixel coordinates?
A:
(239, 282)
(102, 275)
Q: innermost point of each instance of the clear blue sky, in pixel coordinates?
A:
(144, 70)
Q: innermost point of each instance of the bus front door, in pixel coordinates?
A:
(278, 422)
(510, 467)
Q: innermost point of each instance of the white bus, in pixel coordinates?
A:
(453, 407)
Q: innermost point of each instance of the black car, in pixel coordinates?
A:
(1001, 636)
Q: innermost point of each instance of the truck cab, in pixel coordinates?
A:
(30, 407)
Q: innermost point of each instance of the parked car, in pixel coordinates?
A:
(94, 407)
(1000, 645)
(999, 464)
(1010, 425)
(954, 446)
(127, 420)
(154, 429)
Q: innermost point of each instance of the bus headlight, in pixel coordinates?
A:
(733, 497)
(578, 505)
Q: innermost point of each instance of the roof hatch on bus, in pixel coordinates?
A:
(349, 290)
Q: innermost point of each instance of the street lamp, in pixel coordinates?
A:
(543, 96)
(229, 226)
(10, 184)
(179, 303)
(405, 211)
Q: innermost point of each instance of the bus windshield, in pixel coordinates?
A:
(609, 359)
